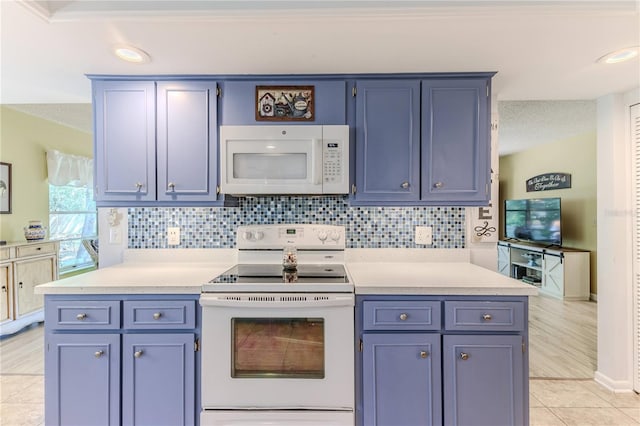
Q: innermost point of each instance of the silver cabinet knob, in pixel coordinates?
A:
(424, 354)
(157, 315)
(464, 356)
(438, 185)
(487, 317)
(405, 185)
(403, 316)
(172, 186)
(80, 317)
(138, 354)
(98, 354)
(139, 186)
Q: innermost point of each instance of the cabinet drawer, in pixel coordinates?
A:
(83, 314)
(35, 249)
(5, 253)
(490, 316)
(146, 314)
(401, 315)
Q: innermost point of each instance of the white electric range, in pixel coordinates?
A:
(277, 331)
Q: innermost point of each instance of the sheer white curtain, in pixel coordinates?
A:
(67, 169)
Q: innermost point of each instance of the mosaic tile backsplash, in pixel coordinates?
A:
(366, 227)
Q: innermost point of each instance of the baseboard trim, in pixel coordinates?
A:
(617, 386)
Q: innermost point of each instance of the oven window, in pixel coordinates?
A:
(277, 348)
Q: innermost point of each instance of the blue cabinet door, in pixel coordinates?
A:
(387, 141)
(158, 385)
(187, 141)
(125, 140)
(483, 380)
(455, 141)
(82, 379)
(401, 379)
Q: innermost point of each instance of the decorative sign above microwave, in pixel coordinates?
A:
(284, 103)
(549, 181)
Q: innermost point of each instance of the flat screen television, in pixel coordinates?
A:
(534, 220)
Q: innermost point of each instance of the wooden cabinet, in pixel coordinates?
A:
(456, 141)
(121, 360)
(422, 142)
(24, 266)
(563, 273)
(387, 141)
(441, 360)
(155, 142)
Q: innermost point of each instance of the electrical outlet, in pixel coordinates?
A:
(173, 236)
(424, 235)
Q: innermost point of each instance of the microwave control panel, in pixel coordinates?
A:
(335, 159)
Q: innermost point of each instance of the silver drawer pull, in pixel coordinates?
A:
(157, 315)
(405, 185)
(464, 356)
(138, 354)
(172, 186)
(438, 185)
(487, 317)
(139, 186)
(403, 316)
(424, 354)
(98, 354)
(80, 317)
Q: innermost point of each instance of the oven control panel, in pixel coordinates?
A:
(302, 236)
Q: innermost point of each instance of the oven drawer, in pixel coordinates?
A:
(402, 315)
(489, 316)
(83, 314)
(160, 314)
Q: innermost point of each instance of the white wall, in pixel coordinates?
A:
(615, 301)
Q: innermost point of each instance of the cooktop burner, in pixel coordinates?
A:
(272, 277)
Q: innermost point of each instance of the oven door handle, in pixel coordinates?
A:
(276, 301)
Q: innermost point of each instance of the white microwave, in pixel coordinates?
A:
(302, 159)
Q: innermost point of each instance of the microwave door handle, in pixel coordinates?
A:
(316, 171)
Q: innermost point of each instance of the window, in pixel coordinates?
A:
(72, 218)
(72, 212)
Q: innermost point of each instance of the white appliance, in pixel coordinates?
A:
(287, 159)
(278, 344)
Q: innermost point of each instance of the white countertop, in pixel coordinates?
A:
(185, 271)
(451, 278)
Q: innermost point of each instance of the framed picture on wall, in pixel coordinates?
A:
(284, 103)
(5, 188)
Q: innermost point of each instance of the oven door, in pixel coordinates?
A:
(277, 351)
(271, 159)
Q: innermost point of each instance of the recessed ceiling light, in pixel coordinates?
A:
(619, 55)
(131, 54)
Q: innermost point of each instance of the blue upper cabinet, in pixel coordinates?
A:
(238, 101)
(186, 141)
(387, 141)
(422, 142)
(155, 142)
(455, 141)
(125, 145)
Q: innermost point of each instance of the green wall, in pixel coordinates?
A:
(23, 142)
(576, 156)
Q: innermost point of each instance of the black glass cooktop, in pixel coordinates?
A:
(272, 273)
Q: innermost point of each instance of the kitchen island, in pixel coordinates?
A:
(438, 340)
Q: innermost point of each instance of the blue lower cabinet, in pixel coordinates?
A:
(401, 380)
(121, 360)
(158, 374)
(483, 380)
(82, 384)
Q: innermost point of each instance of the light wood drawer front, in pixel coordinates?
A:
(149, 314)
(5, 253)
(76, 314)
(35, 249)
(402, 315)
(490, 316)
